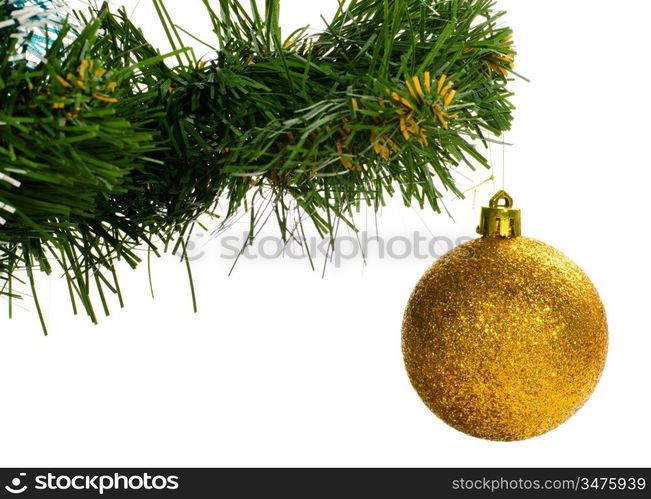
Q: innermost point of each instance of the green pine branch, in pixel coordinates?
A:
(108, 146)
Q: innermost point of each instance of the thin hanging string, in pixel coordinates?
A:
(492, 163)
(504, 161)
(498, 177)
(497, 173)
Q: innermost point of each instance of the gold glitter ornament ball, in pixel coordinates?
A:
(504, 338)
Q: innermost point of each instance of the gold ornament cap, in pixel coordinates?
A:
(499, 218)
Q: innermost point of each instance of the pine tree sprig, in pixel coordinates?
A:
(108, 146)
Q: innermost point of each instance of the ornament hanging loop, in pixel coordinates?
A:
(499, 218)
(501, 196)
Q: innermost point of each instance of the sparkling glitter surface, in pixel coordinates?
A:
(504, 339)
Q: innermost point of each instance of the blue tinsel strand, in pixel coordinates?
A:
(34, 23)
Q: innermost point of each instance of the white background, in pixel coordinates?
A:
(283, 367)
